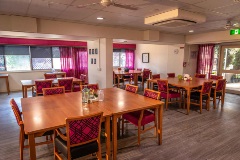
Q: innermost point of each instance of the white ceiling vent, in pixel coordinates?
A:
(175, 18)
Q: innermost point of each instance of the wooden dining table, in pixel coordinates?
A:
(30, 83)
(5, 76)
(44, 113)
(187, 85)
(49, 112)
(61, 74)
(119, 74)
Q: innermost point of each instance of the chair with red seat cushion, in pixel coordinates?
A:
(201, 95)
(143, 117)
(216, 77)
(53, 90)
(40, 84)
(144, 77)
(167, 93)
(82, 137)
(23, 136)
(76, 87)
(197, 75)
(218, 91)
(50, 76)
(155, 76)
(171, 75)
(131, 88)
(90, 86)
(67, 83)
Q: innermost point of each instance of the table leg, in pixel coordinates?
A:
(188, 100)
(118, 81)
(114, 127)
(7, 83)
(148, 84)
(108, 138)
(32, 149)
(160, 113)
(23, 91)
(135, 79)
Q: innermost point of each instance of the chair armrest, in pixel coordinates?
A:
(61, 135)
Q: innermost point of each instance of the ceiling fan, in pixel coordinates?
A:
(107, 3)
(232, 24)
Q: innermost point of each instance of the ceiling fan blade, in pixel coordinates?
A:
(85, 5)
(125, 6)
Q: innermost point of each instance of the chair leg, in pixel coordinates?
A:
(139, 132)
(122, 126)
(214, 100)
(21, 144)
(200, 104)
(99, 153)
(166, 101)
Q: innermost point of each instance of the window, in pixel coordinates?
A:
(119, 58)
(2, 64)
(41, 58)
(56, 58)
(17, 58)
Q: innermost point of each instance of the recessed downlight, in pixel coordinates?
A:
(100, 18)
(191, 31)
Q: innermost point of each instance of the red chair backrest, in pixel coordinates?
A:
(216, 77)
(220, 84)
(80, 130)
(162, 85)
(50, 76)
(151, 94)
(146, 74)
(131, 88)
(155, 76)
(171, 75)
(206, 88)
(16, 111)
(200, 75)
(53, 90)
(40, 84)
(67, 83)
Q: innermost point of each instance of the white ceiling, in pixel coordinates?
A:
(217, 12)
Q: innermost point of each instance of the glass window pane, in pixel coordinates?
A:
(41, 58)
(116, 59)
(231, 59)
(17, 62)
(56, 58)
(17, 58)
(2, 65)
(122, 59)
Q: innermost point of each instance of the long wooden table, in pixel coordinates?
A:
(5, 76)
(45, 113)
(30, 83)
(187, 85)
(62, 74)
(119, 74)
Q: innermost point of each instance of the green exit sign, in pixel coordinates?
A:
(234, 31)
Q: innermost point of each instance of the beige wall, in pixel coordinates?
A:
(191, 65)
(162, 58)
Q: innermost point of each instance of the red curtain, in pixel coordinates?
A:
(130, 58)
(74, 61)
(80, 62)
(66, 60)
(205, 58)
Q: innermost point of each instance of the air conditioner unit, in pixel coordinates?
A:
(175, 18)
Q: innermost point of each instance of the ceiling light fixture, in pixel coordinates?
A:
(191, 31)
(100, 18)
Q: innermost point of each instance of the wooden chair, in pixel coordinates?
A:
(200, 75)
(201, 96)
(76, 87)
(131, 88)
(144, 77)
(168, 93)
(171, 75)
(23, 136)
(50, 75)
(40, 84)
(67, 83)
(82, 137)
(90, 86)
(218, 91)
(155, 76)
(216, 77)
(139, 69)
(53, 90)
(143, 117)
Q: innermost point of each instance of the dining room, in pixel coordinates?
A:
(69, 41)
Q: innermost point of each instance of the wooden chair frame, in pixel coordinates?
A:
(220, 91)
(197, 75)
(22, 133)
(50, 75)
(201, 100)
(47, 80)
(67, 137)
(143, 130)
(64, 79)
(136, 87)
(53, 88)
